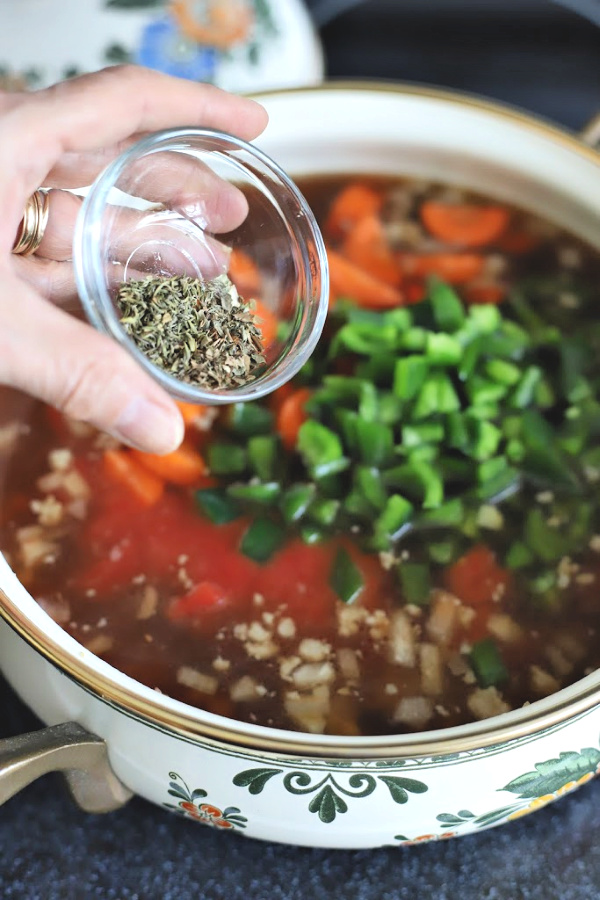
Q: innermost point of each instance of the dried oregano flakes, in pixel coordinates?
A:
(200, 332)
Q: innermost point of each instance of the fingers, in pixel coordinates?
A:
(76, 170)
(53, 280)
(180, 183)
(165, 244)
(174, 180)
(101, 110)
(158, 242)
(82, 372)
(187, 184)
(46, 135)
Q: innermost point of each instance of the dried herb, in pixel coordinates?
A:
(201, 332)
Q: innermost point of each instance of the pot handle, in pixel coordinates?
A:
(590, 133)
(68, 748)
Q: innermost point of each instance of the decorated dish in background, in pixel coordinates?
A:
(237, 44)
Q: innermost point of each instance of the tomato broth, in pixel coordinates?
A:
(405, 537)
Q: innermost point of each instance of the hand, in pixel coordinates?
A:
(62, 137)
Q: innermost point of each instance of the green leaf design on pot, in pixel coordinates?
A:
(255, 779)
(207, 813)
(399, 787)
(327, 804)
(462, 815)
(550, 779)
(329, 793)
(553, 774)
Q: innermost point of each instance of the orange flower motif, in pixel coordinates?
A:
(215, 23)
(190, 808)
(210, 811)
(206, 813)
(429, 837)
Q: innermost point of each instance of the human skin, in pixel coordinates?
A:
(62, 137)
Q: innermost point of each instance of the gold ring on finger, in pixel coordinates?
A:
(33, 224)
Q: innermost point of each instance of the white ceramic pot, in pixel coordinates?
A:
(312, 789)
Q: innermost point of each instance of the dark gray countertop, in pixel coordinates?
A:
(546, 60)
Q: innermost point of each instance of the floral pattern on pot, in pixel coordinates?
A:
(328, 793)
(207, 813)
(550, 780)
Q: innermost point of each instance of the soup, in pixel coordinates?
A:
(406, 537)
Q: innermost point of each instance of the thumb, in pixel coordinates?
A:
(65, 362)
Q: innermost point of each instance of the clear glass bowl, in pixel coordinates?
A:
(191, 201)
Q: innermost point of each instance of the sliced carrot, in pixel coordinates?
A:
(353, 203)
(190, 412)
(367, 246)
(349, 280)
(183, 466)
(476, 578)
(291, 416)
(483, 292)
(466, 224)
(455, 268)
(244, 273)
(123, 467)
(267, 323)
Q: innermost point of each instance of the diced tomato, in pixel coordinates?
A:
(114, 569)
(476, 578)
(205, 599)
(414, 290)
(298, 578)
